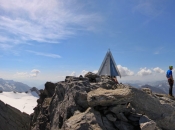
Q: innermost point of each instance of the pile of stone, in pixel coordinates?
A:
(80, 104)
(109, 118)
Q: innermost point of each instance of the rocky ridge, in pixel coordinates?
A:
(82, 104)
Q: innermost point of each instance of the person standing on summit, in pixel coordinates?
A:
(169, 76)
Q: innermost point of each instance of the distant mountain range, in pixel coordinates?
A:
(156, 87)
(10, 85)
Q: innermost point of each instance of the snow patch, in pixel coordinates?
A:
(25, 102)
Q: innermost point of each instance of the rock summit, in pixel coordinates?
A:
(79, 103)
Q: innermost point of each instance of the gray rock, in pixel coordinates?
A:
(162, 114)
(123, 125)
(134, 117)
(146, 123)
(147, 90)
(88, 120)
(151, 125)
(144, 119)
(107, 124)
(105, 97)
(69, 79)
(119, 108)
(111, 117)
(121, 117)
(92, 77)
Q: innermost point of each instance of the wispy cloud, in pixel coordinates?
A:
(149, 7)
(44, 54)
(158, 51)
(33, 73)
(21, 74)
(42, 20)
(5, 46)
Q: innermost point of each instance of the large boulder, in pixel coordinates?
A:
(105, 97)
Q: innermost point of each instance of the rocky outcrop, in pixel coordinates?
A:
(154, 89)
(34, 89)
(12, 119)
(92, 77)
(79, 104)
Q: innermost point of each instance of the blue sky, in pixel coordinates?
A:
(44, 40)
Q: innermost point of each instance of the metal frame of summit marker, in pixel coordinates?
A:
(108, 66)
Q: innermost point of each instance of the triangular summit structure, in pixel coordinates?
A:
(108, 66)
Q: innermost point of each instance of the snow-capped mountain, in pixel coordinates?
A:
(10, 85)
(25, 102)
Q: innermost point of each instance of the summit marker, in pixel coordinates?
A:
(108, 66)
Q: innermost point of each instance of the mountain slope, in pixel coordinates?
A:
(10, 85)
(13, 119)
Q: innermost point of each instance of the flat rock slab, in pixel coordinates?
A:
(105, 97)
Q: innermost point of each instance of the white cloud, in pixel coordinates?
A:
(44, 54)
(124, 71)
(43, 20)
(144, 72)
(158, 70)
(73, 73)
(34, 73)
